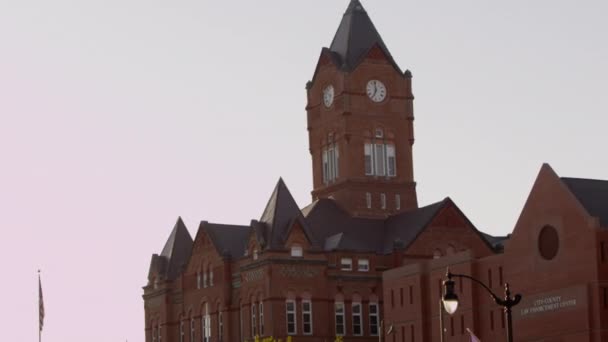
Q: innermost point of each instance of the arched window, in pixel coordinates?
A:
(210, 275)
(437, 254)
(374, 316)
(253, 318)
(182, 333)
(450, 250)
(357, 311)
(191, 328)
(306, 314)
(261, 312)
(220, 324)
(339, 315)
(206, 323)
(290, 311)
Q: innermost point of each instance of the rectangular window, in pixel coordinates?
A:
(205, 279)
(325, 167)
(383, 201)
(307, 317)
(373, 319)
(412, 335)
(241, 323)
(380, 160)
(346, 264)
(198, 280)
(192, 329)
(391, 162)
(340, 329)
(452, 326)
(181, 331)
(368, 200)
(254, 330)
(401, 296)
(211, 277)
(153, 334)
(461, 324)
(402, 334)
(336, 163)
(490, 278)
(369, 166)
(220, 326)
(392, 298)
(261, 319)
(411, 295)
(500, 282)
(363, 265)
(357, 322)
(207, 324)
(160, 333)
(290, 310)
(602, 255)
(331, 157)
(398, 202)
(296, 251)
(492, 320)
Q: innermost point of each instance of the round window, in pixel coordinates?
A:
(548, 242)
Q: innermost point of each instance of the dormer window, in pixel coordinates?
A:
(346, 264)
(296, 251)
(255, 254)
(363, 265)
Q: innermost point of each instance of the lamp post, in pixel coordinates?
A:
(450, 299)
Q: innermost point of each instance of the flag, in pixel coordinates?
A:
(473, 337)
(40, 305)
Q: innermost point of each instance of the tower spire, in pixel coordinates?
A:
(355, 36)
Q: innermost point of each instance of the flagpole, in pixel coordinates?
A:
(39, 330)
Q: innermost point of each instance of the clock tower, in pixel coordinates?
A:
(360, 122)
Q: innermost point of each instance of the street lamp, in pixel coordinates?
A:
(450, 299)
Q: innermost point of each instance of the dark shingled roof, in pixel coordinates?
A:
(355, 37)
(406, 227)
(278, 216)
(340, 231)
(229, 240)
(176, 251)
(593, 195)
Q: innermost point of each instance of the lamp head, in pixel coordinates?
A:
(450, 299)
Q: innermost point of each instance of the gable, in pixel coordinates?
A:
(449, 232)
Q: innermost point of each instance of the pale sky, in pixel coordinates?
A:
(116, 116)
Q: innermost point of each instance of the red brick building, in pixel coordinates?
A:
(364, 252)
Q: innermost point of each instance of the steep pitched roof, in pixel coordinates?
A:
(280, 210)
(229, 240)
(405, 227)
(356, 36)
(592, 194)
(340, 231)
(177, 249)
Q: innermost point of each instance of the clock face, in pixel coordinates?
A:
(328, 95)
(376, 90)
